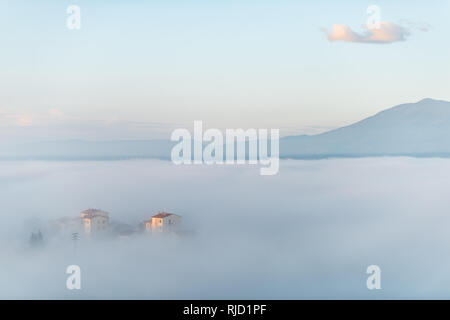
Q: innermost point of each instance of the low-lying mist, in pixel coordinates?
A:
(309, 232)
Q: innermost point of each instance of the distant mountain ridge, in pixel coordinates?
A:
(412, 129)
(420, 129)
(88, 150)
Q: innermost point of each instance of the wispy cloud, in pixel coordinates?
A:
(25, 119)
(418, 25)
(54, 124)
(387, 32)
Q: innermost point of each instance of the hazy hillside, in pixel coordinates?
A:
(418, 129)
(88, 150)
(414, 129)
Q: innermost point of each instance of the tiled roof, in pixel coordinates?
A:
(162, 215)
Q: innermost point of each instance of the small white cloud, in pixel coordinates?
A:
(387, 32)
(24, 121)
(56, 113)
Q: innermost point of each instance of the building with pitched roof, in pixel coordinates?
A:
(95, 221)
(163, 222)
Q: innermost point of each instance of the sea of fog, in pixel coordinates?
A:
(309, 232)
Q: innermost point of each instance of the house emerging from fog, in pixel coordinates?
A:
(97, 222)
(94, 221)
(163, 222)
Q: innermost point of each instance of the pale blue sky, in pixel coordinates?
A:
(229, 63)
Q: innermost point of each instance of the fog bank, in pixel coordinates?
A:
(308, 232)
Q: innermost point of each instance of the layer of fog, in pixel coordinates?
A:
(308, 232)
